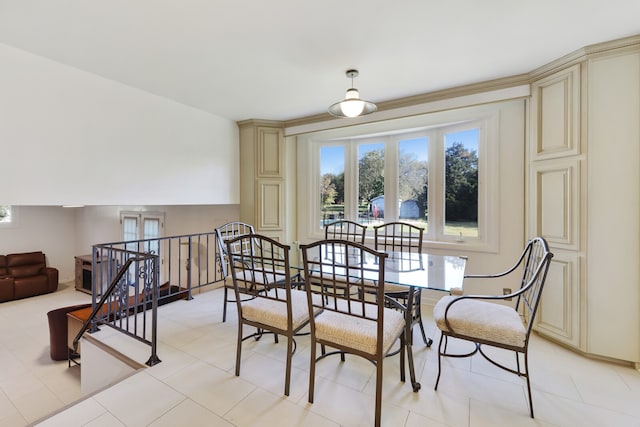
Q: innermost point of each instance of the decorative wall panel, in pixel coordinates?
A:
(555, 202)
(559, 311)
(270, 204)
(270, 156)
(555, 110)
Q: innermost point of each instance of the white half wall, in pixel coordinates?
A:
(69, 137)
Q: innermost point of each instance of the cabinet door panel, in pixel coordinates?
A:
(555, 114)
(270, 205)
(270, 156)
(559, 312)
(554, 202)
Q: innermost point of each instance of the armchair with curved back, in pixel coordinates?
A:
(479, 319)
(224, 233)
(407, 238)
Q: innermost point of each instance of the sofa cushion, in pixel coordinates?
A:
(30, 286)
(25, 270)
(3, 266)
(27, 258)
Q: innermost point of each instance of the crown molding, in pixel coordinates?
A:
(260, 122)
(425, 98)
(579, 55)
(575, 57)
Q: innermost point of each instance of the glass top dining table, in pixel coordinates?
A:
(419, 270)
(410, 269)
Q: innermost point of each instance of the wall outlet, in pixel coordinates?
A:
(506, 291)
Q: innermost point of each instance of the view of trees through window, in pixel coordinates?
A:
(403, 165)
(461, 185)
(332, 183)
(370, 182)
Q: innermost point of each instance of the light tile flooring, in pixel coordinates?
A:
(195, 384)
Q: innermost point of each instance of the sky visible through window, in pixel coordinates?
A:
(332, 158)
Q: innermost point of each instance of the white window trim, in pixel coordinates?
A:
(488, 192)
(140, 216)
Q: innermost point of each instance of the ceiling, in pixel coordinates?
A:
(286, 59)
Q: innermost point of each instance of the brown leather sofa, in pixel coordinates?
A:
(25, 275)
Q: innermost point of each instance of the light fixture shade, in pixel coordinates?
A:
(352, 105)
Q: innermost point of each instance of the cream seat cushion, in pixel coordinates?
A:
(357, 332)
(482, 320)
(274, 312)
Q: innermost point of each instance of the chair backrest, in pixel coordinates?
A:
(535, 260)
(398, 237)
(262, 271)
(227, 232)
(332, 263)
(345, 230)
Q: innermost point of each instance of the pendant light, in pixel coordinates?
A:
(352, 105)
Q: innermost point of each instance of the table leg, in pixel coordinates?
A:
(408, 321)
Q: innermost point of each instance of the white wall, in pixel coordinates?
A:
(63, 233)
(71, 137)
(101, 224)
(50, 229)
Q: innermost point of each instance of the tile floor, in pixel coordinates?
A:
(195, 384)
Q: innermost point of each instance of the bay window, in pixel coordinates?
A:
(435, 176)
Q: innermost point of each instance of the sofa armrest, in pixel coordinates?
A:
(52, 278)
(6, 288)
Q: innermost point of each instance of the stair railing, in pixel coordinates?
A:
(127, 276)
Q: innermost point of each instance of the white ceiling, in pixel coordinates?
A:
(285, 59)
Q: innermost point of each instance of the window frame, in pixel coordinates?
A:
(434, 126)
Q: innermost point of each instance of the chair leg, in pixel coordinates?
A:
(403, 345)
(526, 367)
(442, 338)
(312, 370)
(224, 304)
(239, 348)
(287, 376)
(378, 392)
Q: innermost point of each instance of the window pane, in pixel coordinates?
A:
(151, 231)
(331, 183)
(130, 228)
(370, 182)
(461, 183)
(413, 175)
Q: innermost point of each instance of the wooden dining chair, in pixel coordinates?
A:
(406, 238)
(264, 295)
(482, 320)
(354, 323)
(224, 233)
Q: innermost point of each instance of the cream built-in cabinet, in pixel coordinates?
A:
(583, 196)
(262, 177)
